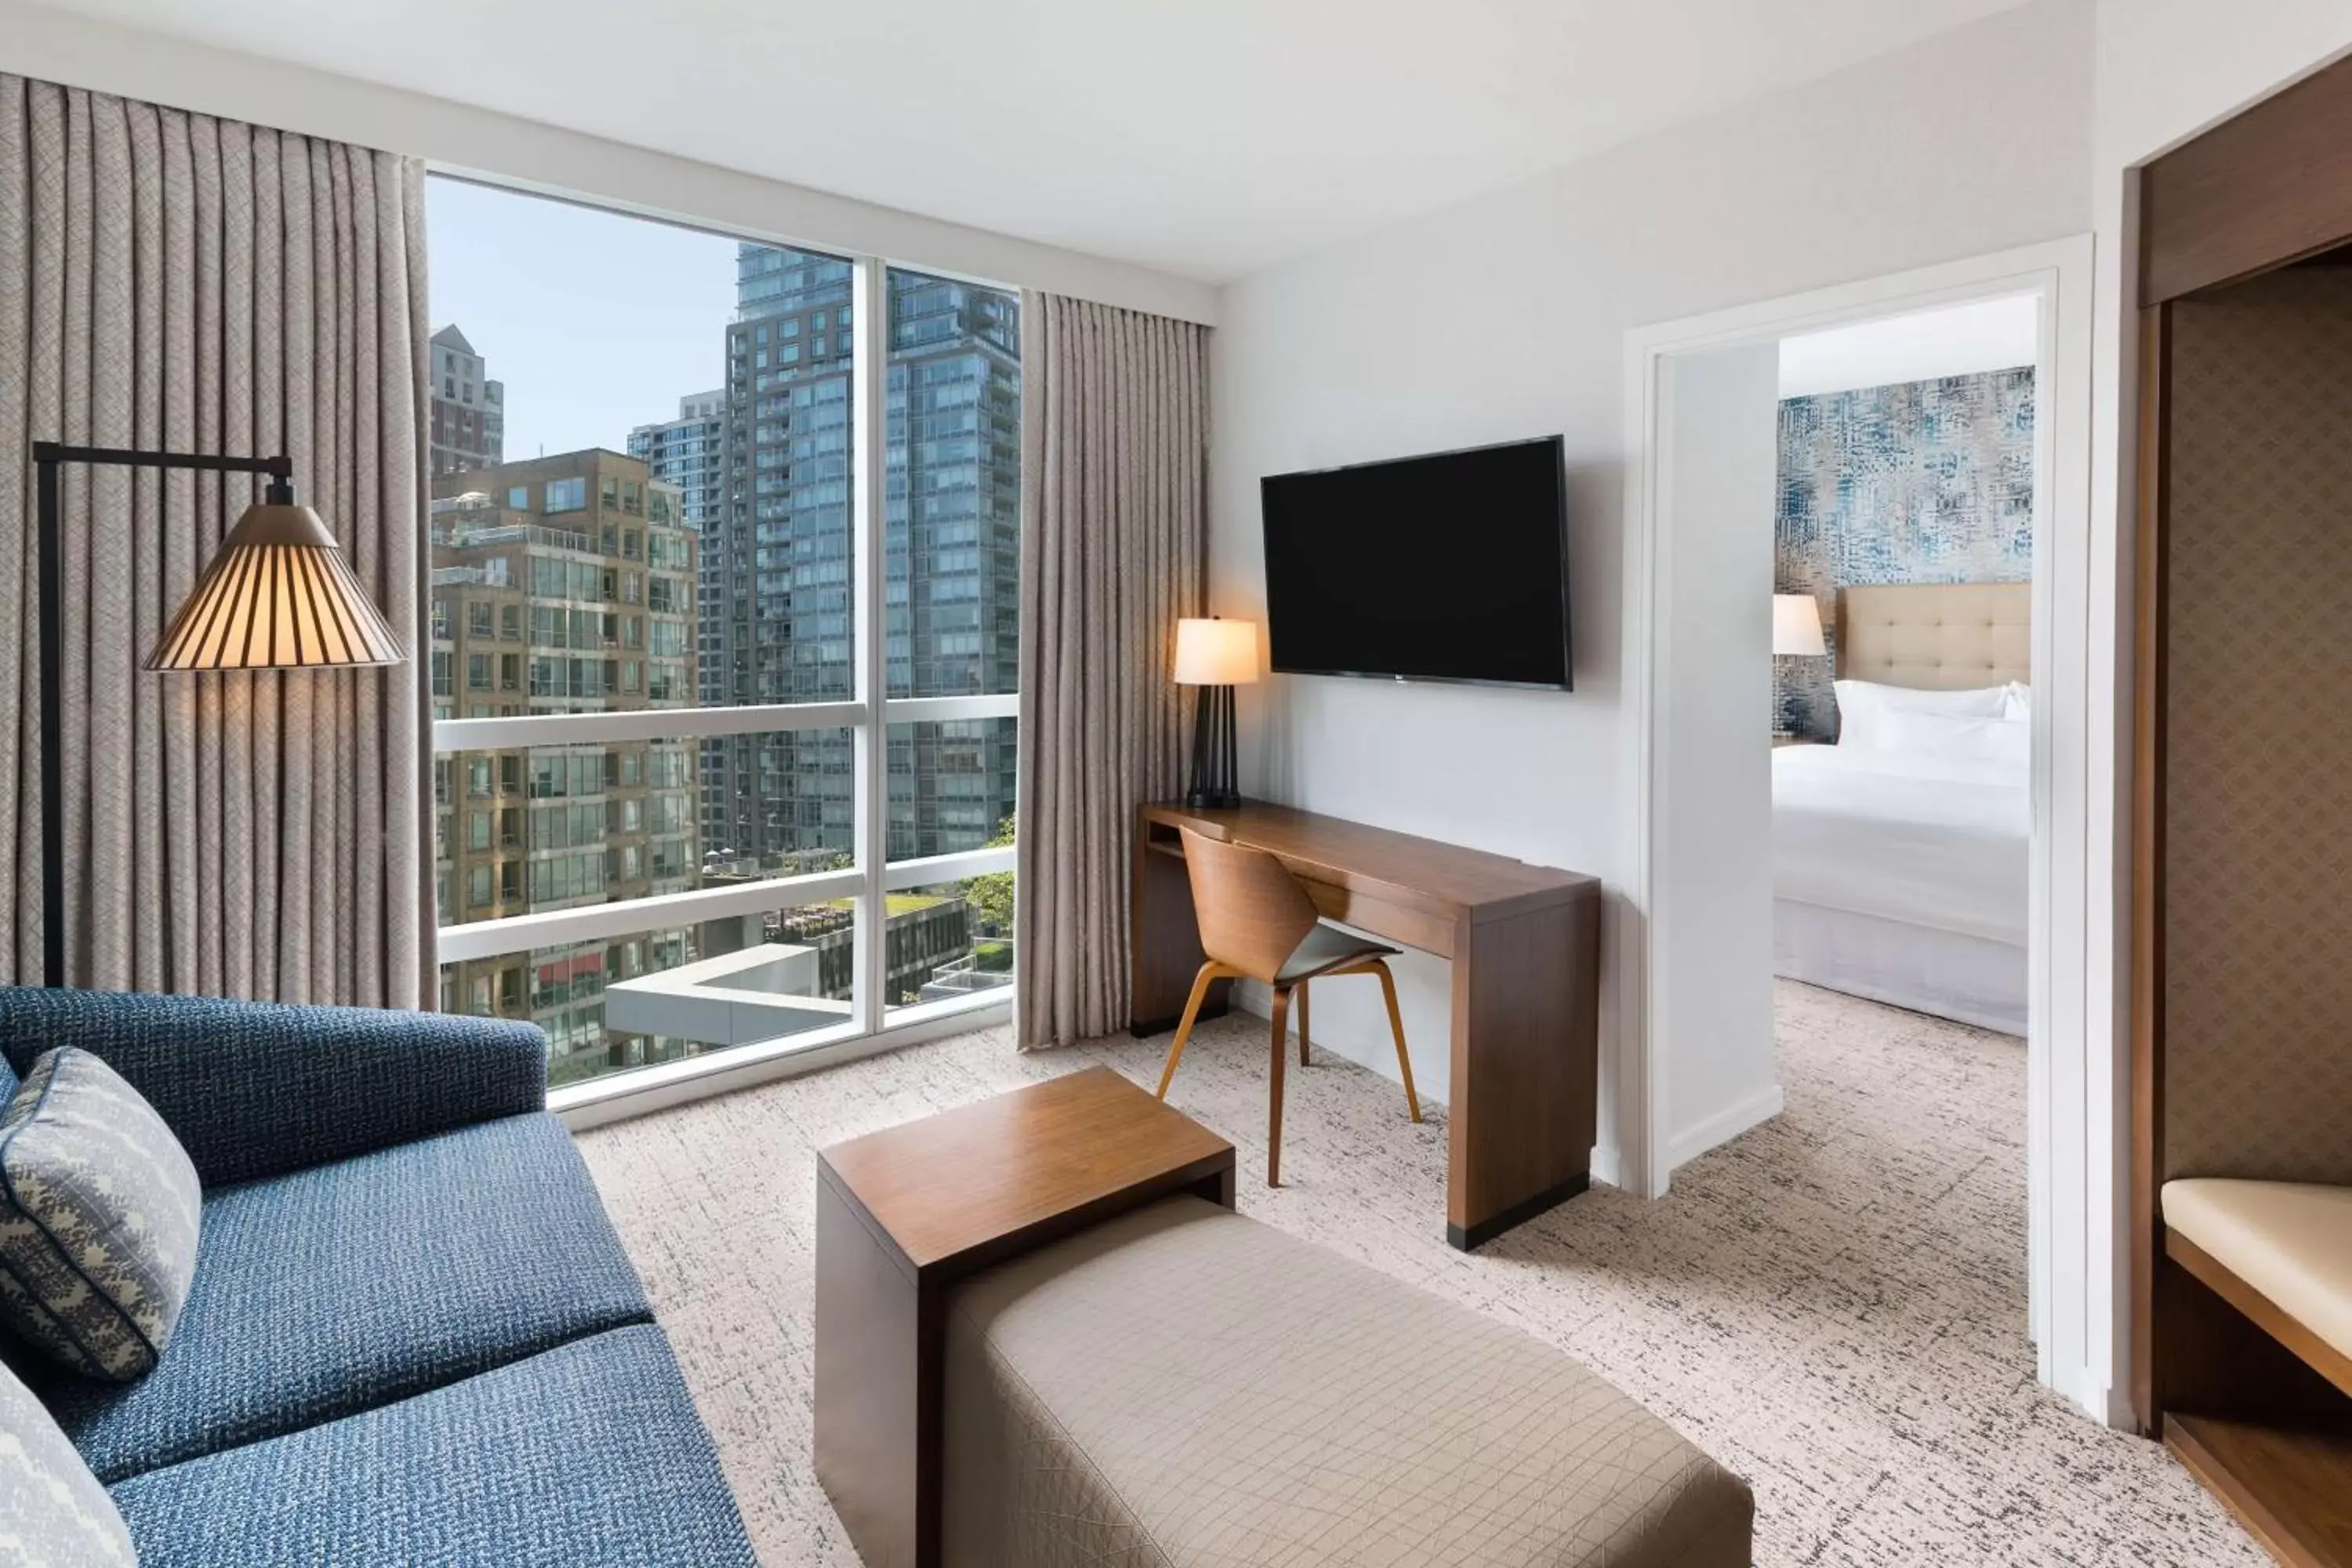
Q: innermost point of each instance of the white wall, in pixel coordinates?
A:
(1960, 340)
(1504, 317)
(2165, 70)
(78, 51)
(1712, 962)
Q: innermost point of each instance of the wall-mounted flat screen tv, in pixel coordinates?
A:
(1448, 567)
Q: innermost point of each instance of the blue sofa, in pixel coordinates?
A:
(413, 1336)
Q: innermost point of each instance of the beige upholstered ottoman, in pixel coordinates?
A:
(1187, 1387)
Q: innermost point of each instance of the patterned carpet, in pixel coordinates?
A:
(1833, 1305)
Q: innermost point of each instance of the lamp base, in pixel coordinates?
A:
(1215, 783)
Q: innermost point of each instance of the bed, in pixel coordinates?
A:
(1900, 872)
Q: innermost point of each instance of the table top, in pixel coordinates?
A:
(1446, 878)
(962, 1186)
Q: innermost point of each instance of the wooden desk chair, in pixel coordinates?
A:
(1257, 923)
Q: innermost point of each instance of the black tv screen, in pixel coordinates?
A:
(1449, 567)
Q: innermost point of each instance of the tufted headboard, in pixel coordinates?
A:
(1935, 636)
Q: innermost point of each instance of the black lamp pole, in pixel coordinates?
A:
(47, 457)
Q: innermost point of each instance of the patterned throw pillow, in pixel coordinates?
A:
(53, 1513)
(98, 1219)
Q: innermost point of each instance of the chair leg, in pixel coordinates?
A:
(1396, 1026)
(1302, 1023)
(1200, 982)
(1274, 1088)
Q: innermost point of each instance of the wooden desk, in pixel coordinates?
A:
(902, 1215)
(1525, 945)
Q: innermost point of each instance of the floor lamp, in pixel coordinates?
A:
(279, 595)
(1215, 656)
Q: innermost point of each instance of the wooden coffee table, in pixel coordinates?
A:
(902, 1215)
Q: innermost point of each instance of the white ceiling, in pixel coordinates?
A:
(1207, 138)
(1958, 340)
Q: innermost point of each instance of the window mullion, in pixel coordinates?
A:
(951, 868)
(869, 431)
(933, 710)
(638, 724)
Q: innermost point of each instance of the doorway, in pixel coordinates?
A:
(1695, 1064)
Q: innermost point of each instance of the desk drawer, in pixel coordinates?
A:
(1400, 924)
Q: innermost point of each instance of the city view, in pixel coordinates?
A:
(664, 547)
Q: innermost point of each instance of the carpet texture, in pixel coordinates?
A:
(1833, 1305)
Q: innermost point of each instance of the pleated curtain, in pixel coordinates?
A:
(1114, 542)
(172, 280)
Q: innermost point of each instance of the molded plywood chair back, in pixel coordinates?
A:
(1253, 914)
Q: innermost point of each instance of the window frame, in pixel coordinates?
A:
(868, 714)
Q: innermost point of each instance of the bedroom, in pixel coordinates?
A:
(1901, 807)
(1903, 567)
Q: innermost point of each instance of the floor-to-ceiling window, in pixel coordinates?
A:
(724, 634)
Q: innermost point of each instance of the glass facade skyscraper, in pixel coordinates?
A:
(776, 609)
(778, 581)
(953, 550)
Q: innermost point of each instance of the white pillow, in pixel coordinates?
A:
(1862, 705)
(1950, 736)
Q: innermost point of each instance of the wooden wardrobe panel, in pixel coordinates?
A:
(2256, 192)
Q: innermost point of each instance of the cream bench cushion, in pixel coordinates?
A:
(1188, 1388)
(2289, 1240)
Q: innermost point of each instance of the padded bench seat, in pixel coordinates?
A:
(2291, 1241)
(1187, 1387)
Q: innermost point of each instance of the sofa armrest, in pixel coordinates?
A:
(252, 1088)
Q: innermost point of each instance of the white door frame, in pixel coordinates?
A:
(2071, 1047)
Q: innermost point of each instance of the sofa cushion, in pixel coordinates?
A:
(52, 1510)
(98, 1219)
(339, 1288)
(1184, 1385)
(590, 1453)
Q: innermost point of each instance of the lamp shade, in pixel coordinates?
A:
(277, 596)
(1796, 626)
(1216, 652)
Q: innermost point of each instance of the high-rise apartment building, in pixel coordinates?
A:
(777, 610)
(954, 539)
(776, 625)
(562, 584)
(689, 452)
(468, 409)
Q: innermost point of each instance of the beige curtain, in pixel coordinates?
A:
(1114, 537)
(170, 280)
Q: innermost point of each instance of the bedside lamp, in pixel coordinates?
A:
(1796, 633)
(1215, 656)
(1797, 626)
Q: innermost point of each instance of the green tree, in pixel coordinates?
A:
(991, 894)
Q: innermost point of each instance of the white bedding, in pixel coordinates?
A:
(1935, 841)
